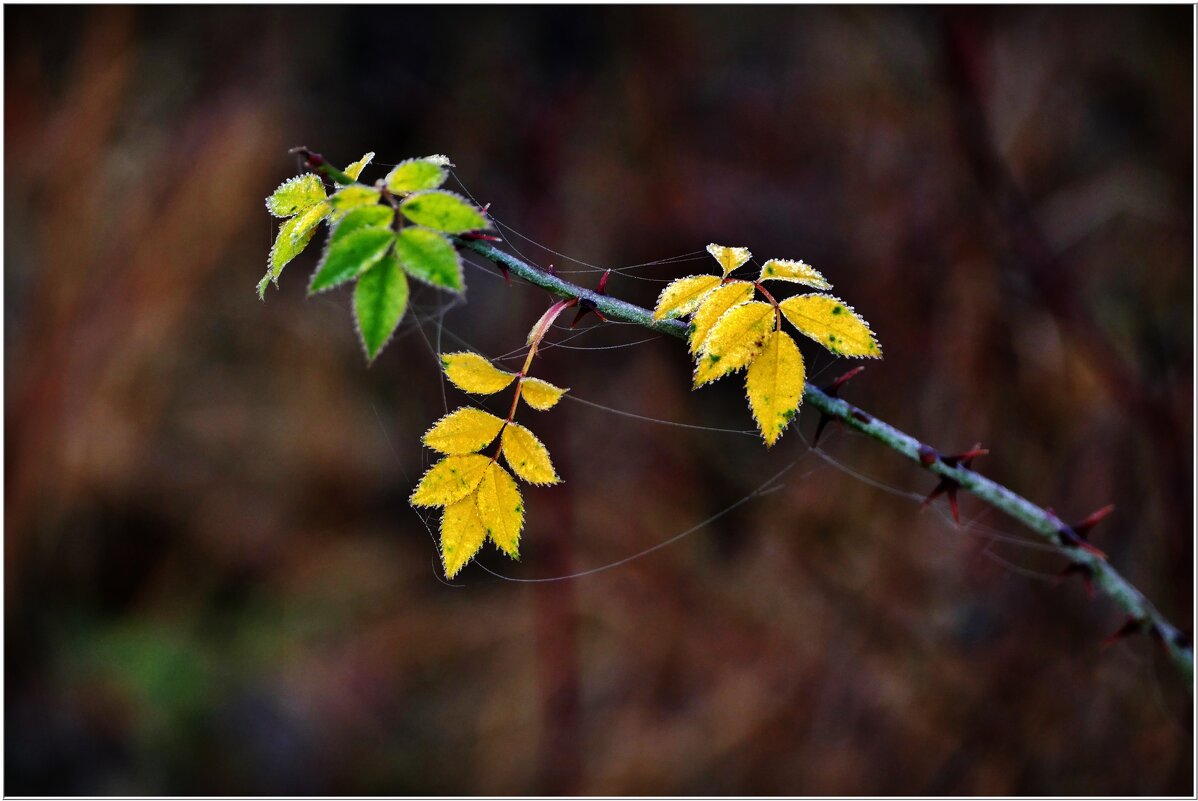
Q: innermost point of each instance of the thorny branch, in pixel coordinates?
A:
(953, 471)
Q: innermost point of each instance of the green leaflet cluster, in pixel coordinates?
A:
(380, 236)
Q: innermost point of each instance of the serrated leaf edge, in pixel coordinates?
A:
(448, 415)
(822, 283)
(291, 180)
(851, 310)
(457, 259)
(466, 201)
(694, 303)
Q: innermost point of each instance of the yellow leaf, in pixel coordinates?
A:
(832, 323)
(540, 395)
(774, 385)
(472, 373)
(464, 431)
(355, 169)
(734, 340)
(306, 221)
(449, 480)
(680, 297)
(527, 456)
(501, 509)
(462, 534)
(729, 258)
(721, 300)
(798, 272)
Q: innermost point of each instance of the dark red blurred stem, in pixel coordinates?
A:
(964, 52)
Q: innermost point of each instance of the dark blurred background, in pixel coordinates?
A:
(214, 583)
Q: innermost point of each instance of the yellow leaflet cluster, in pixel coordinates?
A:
(730, 330)
(480, 497)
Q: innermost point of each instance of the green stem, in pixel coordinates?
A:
(1041, 521)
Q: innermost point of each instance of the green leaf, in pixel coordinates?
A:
(430, 257)
(355, 169)
(349, 256)
(443, 211)
(295, 195)
(352, 197)
(415, 174)
(286, 247)
(363, 217)
(380, 300)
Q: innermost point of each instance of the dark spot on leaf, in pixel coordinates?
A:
(712, 358)
(837, 309)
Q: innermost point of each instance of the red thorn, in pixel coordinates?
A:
(946, 487)
(1086, 573)
(963, 459)
(476, 235)
(834, 388)
(927, 455)
(587, 306)
(1070, 539)
(1083, 528)
(1133, 625)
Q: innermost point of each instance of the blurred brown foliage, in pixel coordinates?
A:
(214, 583)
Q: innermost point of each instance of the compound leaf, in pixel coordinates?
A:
(351, 197)
(774, 385)
(443, 211)
(350, 255)
(295, 195)
(713, 307)
(462, 534)
(466, 430)
(355, 169)
(683, 296)
(527, 456)
(729, 258)
(416, 174)
(501, 509)
(450, 480)
(429, 257)
(380, 300)
(734, 341)
(540, 395)
(470, 372)
(798, 272)
(832, 323)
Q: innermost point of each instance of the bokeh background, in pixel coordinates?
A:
(213, 581)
